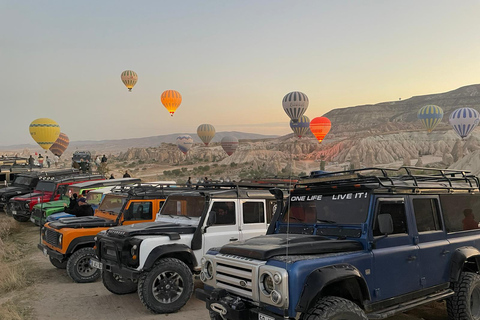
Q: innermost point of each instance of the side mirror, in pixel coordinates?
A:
(385, 223)
(212, 218)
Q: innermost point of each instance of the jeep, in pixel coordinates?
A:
(356, 244)
(159, 259)
(69, 242)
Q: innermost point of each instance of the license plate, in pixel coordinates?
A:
(14, 212)
(262, 316)
(45, 252)
(96, 264)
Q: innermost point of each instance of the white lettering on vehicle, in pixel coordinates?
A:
(318, 197)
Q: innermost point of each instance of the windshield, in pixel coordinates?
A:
(183, 206)
(112, 203)
(94, 198)
(342, 208)
(45, 186)
(22, 180)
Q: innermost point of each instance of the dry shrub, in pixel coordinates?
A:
(13, 311)
(7, 228)
(13, 277)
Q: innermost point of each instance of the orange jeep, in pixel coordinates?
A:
(69, 242)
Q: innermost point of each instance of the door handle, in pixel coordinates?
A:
(412, 258)
(445, 252)
(233, 239)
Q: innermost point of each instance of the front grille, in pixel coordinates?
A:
(37, 213)
(51, 237)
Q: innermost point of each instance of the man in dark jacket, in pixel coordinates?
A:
(83, 209)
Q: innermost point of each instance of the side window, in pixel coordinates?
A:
(397, 211)
(225, 213)
(62, 189)
(3, 176)
(427, 215)
(139, 211)
(271, 208)
(460, 212)
(253, 212)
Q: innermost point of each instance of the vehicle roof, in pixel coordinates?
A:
(103, 190)
(53, 173)
(106, 182)
(78, 177)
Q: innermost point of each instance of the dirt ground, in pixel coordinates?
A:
(55, 296)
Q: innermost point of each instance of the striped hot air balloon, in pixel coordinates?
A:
(464, 120)
(295, 104)
(206, 132)
(229, 144)
(430, 116)
(59, 147)
(129, 79)
(320, 126)
(184, 143)
(301, 127)
(44, 131)
(171, 99)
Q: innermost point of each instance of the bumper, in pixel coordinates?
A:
(232, 307)
(124, 272)
(52, 253)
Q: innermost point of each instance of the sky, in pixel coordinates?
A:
(232, 61)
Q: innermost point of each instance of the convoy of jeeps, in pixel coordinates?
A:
(357, 244)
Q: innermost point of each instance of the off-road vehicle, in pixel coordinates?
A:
(69, 242)
(160, 258)
(355, 245)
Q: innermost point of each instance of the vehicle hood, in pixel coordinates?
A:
(13, 190)
(268, 246)
(82, 222)
(151, 228)
(51, 204)
(27, 196)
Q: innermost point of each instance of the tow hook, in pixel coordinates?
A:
(218, 308)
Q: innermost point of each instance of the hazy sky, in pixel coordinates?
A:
(232, 61)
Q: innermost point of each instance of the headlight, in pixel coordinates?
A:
(277, 278)
(207, 269)
(133, 250)
(27, 205)
(266, 282)
(3, 198)
(60, 238)
(276, 297)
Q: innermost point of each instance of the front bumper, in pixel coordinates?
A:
(18, 209)
(51, 253)
(233, 307)
(122, 271)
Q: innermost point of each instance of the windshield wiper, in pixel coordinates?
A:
(326, 221)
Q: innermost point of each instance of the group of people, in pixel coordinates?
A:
(79, 206)
(43, 162)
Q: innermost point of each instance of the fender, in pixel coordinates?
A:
(166, 249)
(459, 257)
(80, 241)
(322, 277)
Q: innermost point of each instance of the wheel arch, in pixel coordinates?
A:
(464, 259)
(179, 251)
(79, 243)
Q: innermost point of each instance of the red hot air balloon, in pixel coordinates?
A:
(59, 147)
(229, 144)
(320, 126)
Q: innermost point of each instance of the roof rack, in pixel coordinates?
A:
(403, 177)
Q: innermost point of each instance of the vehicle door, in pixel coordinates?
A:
(395, 268)
(138, 211)
(432, 241)
(252, 218)
(221, 224)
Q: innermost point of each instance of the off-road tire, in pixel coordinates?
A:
(78, 266)
(166, 267)
(465, 304)
(117, 286)
(21, 218)
(334, 308)
(57, 264)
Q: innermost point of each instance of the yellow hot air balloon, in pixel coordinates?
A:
(129, 79)
(45, 132)
(171, 99)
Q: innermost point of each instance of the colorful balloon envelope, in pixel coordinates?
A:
(301, 127)
(229, 144)
(45, 132)
(129, 79)
(206, 132)
(430, 116)
(464, 120)
(60, 145)
(184, 143)
(171, 99)
(295, 104)
(320, 126)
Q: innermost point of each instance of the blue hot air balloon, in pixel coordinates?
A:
(464, 120)
(301, 127)
(430, 116)
(184, 143)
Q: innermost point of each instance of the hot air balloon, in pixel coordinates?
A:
(129, 79)
(301, 126)
(45, 132)
(171, 99)
(320, 127)
(430, 116)
(184, 143)
(59, 147)
(295, 104)
(229, 144)
(206, 132)
(464, 120)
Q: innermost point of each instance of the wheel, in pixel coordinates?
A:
(334, 308)
(115, 284)
(465, 304)
(78, 266)
(57, 263)
(21, 218)
(167, 287)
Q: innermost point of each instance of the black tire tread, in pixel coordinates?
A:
(327, 307)
(57, 264)
(458, 305)
(117, 287)
(71, 266)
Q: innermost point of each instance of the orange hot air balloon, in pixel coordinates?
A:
(320, 127)
(171, 99)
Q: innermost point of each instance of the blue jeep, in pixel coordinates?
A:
(358, 244)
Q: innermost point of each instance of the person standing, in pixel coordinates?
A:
(31, 162)
(40, 160)
(55, 160)
(48, 161)
(83, 166)
(189, 182)
(126, 174)
(104, 159)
